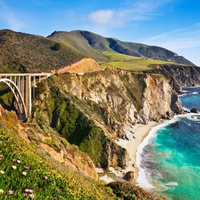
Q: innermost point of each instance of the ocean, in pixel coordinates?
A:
(169, 157)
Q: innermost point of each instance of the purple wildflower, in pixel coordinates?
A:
(28, 191)
(26, 167)
(25, 194)
(10, 192)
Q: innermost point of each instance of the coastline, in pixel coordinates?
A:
(141, 131)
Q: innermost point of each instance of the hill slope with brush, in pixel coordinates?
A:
(94, 45)
(20, 52)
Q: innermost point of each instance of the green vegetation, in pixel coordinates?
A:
(27, 174)
(41, 88)
(57, 47)
(130, 63)
(61, 114)
(95, 46)
(6, 97)
(22, 52)
(127, 191)
(29, 53)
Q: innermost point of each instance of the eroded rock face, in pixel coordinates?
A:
(113, 100)
(125, 97)
(159, 101)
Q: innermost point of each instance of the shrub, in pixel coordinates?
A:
(57, 47)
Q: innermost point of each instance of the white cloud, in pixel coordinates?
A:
(10, 18)
(101, 16)
(137, 11)
(106, 17)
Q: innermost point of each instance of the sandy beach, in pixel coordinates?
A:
(140, 132)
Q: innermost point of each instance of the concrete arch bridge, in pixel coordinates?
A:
(23, 88)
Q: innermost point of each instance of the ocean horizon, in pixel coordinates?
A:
(169, 157)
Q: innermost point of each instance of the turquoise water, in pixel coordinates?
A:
(170, 157)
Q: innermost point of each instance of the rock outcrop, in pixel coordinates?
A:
(101, 106)
(125, 97)
(82, 66)
(180, 76)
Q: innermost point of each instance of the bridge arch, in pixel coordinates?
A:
(21, 107)
(23, 87)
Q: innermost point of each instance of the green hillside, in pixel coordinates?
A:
(28, 172)
(20, 52)
(94, 45)
(132, 63)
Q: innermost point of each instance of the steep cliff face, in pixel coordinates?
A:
(160, 101)
(180, 76)
(125, 97)
(93, 109)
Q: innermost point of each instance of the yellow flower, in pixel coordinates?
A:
(1, 191)
(14, 167)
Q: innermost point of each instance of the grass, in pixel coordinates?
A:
(26, 174)
(131, 63)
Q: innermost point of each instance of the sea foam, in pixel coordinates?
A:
(143, 180)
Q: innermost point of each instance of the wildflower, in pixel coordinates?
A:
(14, 160)
(24, 173)
(10, 192)
(2, 172)
(28, 191)
(14, 167)
(25, 194)
(32, 196)
(26, 167)
(18, 161)
(1, 191)
(45, 177)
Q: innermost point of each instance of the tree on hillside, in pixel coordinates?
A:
(57, 47)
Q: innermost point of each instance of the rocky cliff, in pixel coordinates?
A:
(92, 110)
(179, 76)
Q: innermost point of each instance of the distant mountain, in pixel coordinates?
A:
(93, 45)
(20, 52)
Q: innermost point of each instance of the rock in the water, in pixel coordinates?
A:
(193, 110)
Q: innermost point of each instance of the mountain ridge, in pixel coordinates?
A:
(21, 52)
(101, 43)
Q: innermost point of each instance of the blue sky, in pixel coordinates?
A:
(172, 24)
